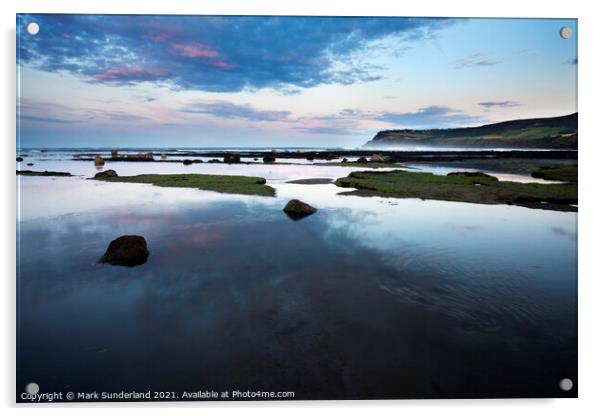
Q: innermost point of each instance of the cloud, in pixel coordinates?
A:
(129, 75)
(124, 117)
(350, 121)
(228, 110)
(215, 53)
(430, 117)
(46, 112)
(46, 119)
(476, 59)
(326, 130)
(499, 104)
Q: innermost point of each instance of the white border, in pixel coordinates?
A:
(590, 121)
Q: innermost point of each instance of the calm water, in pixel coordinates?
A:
(368, 298)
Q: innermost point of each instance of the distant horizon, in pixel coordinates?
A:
(254, 147)
(119, 81)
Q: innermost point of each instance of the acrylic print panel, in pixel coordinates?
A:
(294, 208)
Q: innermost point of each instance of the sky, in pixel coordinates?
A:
(261, 81)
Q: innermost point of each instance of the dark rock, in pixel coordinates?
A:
(214, 161)
(269, 159)
(99, 161)
(344, 160)
(106, 174)
(362, 160)
(187, 162)
(127, 250)
(232, 158)
(30, 164)
(311, 181)
(44, 173)
(131, 157)
(19, 159)
(296, 209)
(472, 175)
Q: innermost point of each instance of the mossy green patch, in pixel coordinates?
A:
(557, 173)
(246, 185)
(462, 187)
(370, 165)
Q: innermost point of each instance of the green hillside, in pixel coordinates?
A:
(544, 133)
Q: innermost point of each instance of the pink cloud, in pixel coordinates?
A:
(159, 37)
(221, 64)
(194, 51)
(130, 74)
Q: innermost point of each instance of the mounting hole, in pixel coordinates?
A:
(566, 32)
(32, 28)
(566, 384)
(32, 388)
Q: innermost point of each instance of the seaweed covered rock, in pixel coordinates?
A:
(232, 158)
(269, 159)
(473, 175)
(106, 174)
(127, 250)
(19, 159)
(296, 209)
(99, 161)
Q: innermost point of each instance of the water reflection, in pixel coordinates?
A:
(367, 298)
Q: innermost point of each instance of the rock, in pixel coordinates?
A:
(344, 160)
(232, 158)
(19, 159)
(106, 174)
(114, 153)
(310, 157)
(44, 173)
(214, 161)
(30, 164)
(377, 158)
(296, 209)
(187, 162)
(98, 161)
(269, 159)
(362, 160)
(163, 156)
(140, 157)
(311, 181)
(472, 175)
(127, 250)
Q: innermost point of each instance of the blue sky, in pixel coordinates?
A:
(152, 81)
